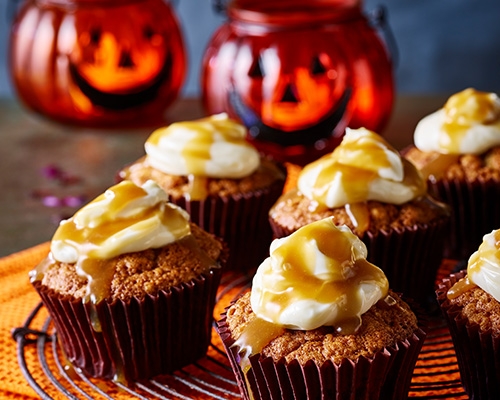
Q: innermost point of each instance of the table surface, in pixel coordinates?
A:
(91, 157)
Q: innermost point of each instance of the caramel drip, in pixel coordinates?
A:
(355, 181)
(207, 262)
(256, 335)
(462, 110)
(459, 288)
(437, 164)
(37, 273)
(359, 215)
(198, 189)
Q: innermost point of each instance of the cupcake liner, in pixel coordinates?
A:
(474, 213)
(385, 376)
(478, 352)
(410, 258)
(241, 220)
(139, 338)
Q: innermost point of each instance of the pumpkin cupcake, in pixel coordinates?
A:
(366, 185)
(130, 284)
(321, 322)
(457, 149)
(470, 301)
(209, 169)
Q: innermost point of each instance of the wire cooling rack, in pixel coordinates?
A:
(40, 358)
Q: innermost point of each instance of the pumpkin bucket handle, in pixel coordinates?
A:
(378, 18)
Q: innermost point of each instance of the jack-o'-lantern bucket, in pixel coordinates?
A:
(298, 72)
(97, 62)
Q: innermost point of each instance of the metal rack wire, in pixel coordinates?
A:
(436, 374)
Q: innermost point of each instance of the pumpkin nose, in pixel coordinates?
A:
(289, 95)
(125, 60)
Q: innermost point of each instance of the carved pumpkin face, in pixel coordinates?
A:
(109, 57)
(289, 89)
(296, 89)
(125, 55)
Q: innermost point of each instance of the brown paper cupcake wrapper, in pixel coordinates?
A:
(140, 338)
(241, 220)
(474, 213)
(410, 258)
(478, 352)
(386, 376)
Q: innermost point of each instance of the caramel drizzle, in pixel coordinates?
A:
(437, 164)
(197, 188)
(474, 266)
(347, 162)
(257, 334)
(462, 111)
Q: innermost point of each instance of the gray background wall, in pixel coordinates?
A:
(444, 45)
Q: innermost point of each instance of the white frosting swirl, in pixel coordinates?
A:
(307, 282)
(363, 167)
(484, 265)
(469, 123)
(126, 218)
(212, 147)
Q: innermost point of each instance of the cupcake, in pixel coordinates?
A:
(320, 322)
(457, 149)
(130, 284)
(470, 301)
(208, 168)
(365, 184)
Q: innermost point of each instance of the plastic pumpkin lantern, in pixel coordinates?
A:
(97, 62)
(297, 72)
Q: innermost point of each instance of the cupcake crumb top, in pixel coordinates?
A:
(177, 186)
(292, 212)
(138, 274)
(383, 326)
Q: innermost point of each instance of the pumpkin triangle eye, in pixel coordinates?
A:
(148, 32)
(256, 70)
(317, 67)
(95, 35)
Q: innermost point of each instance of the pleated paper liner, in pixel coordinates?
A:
(475, 212)
(241, 220)
(478, 352)
(385, 376)
(139, 338)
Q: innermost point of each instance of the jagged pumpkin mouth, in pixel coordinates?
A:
(260, 131)
(134, 97)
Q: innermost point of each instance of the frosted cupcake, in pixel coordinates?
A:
(457, 149)
(209, 169)
(321, 322)
(130, 284)
(366, 185)
(470, 301)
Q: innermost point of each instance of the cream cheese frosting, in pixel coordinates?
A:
(363, 167)
(125, 218)
(212, 147)
(469, 123)
(483, 268)
(317, 276)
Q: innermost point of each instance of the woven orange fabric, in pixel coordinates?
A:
(17, 300)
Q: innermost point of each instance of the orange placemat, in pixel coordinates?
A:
(17, 299)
